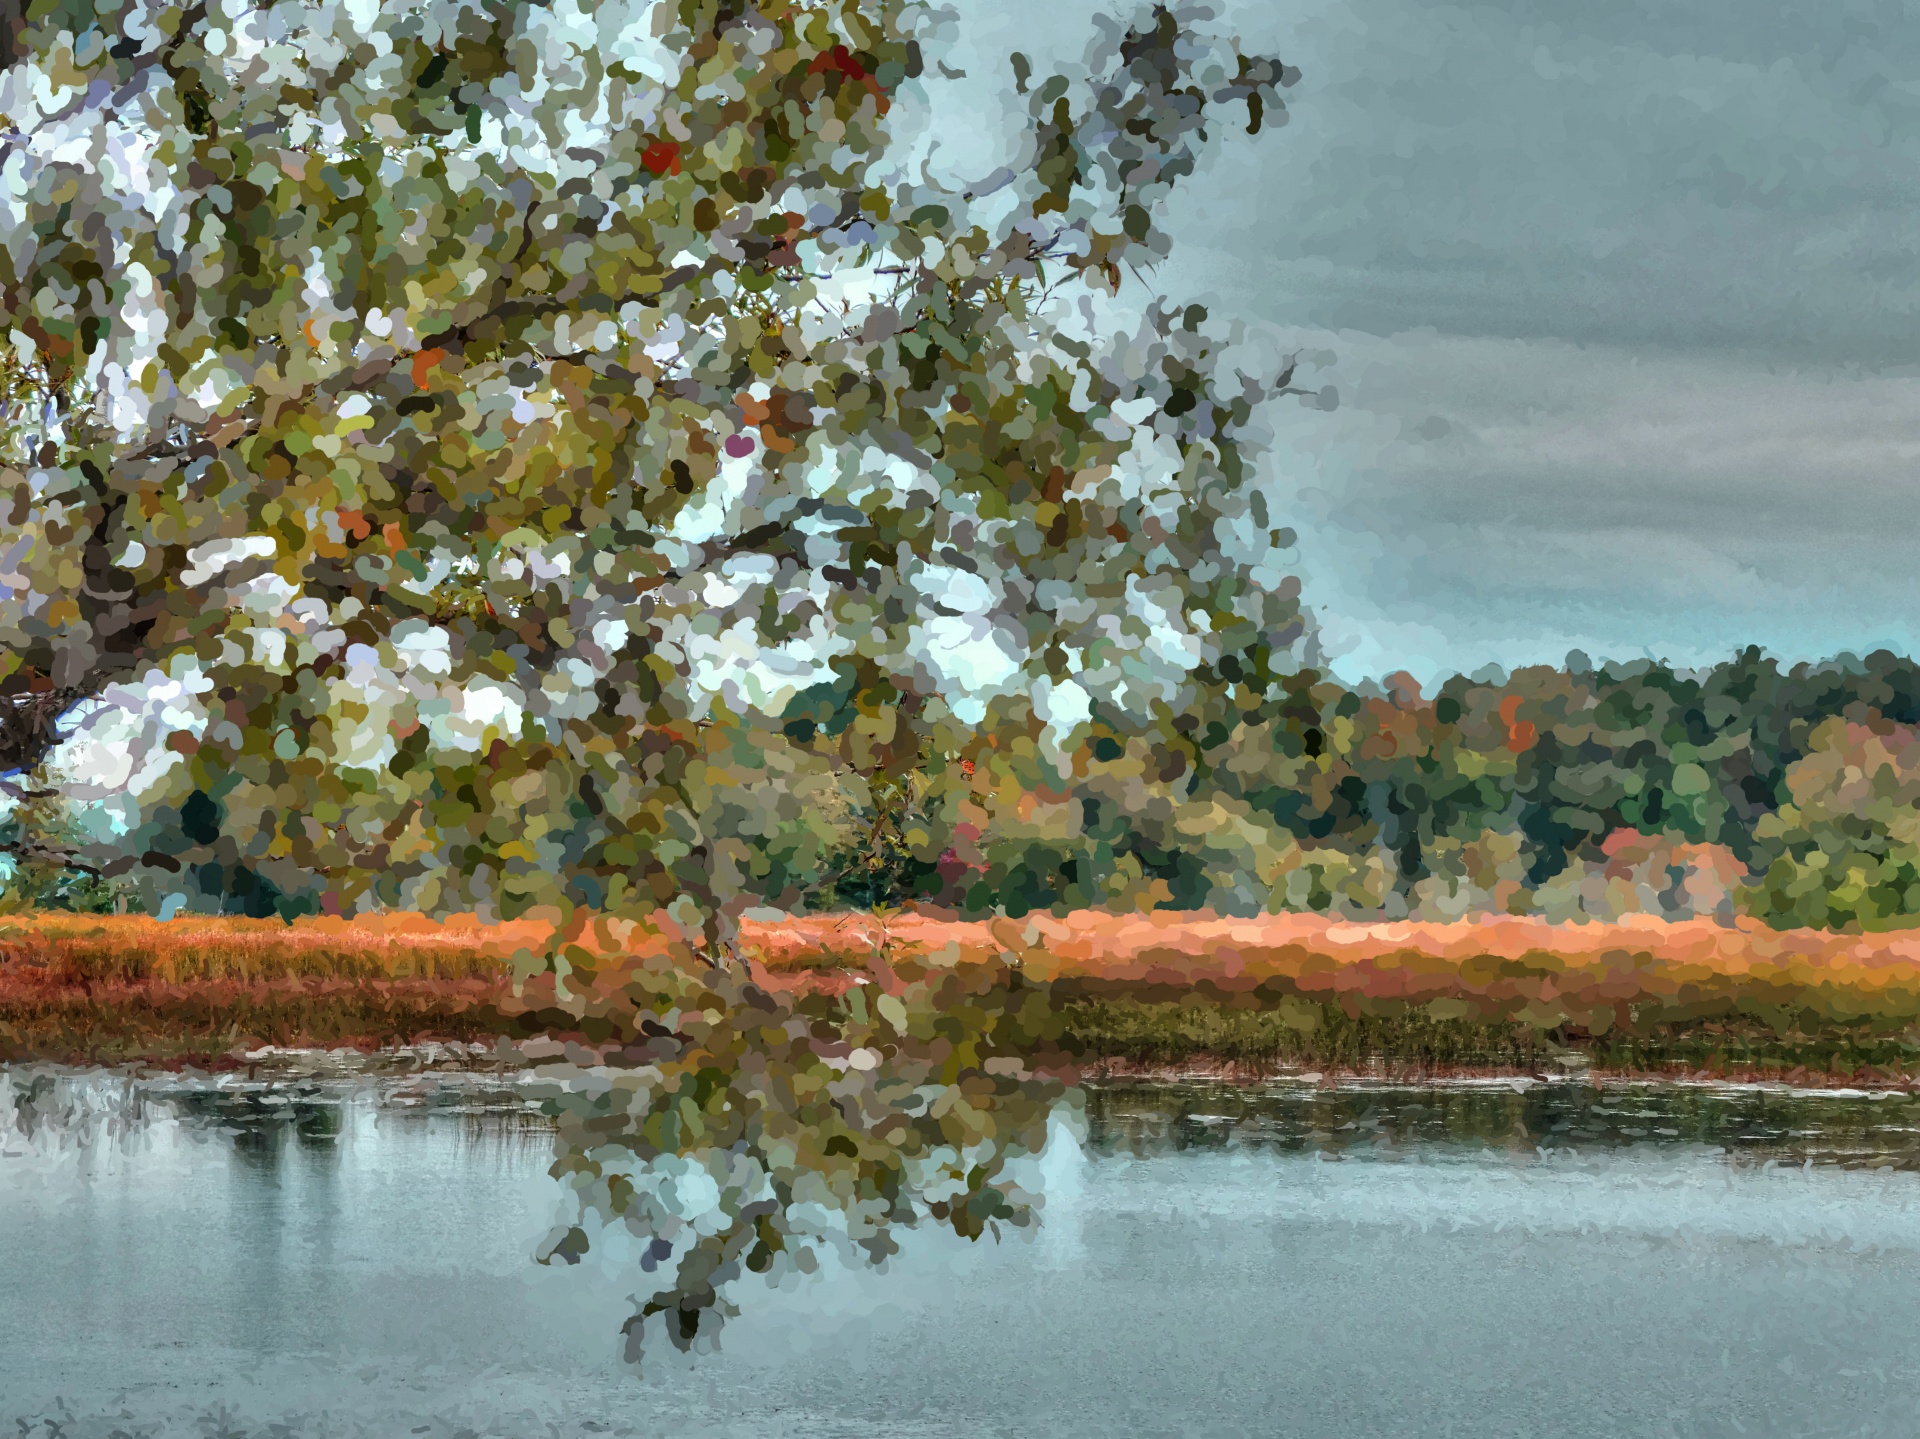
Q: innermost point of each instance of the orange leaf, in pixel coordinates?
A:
(423, 362)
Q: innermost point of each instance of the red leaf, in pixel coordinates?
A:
(661, 157)
(840, 61)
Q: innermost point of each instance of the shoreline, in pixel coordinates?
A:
(426, 1058)
(1392, 1077)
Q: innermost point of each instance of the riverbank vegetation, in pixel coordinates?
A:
(1124, 993)
(1789, 795)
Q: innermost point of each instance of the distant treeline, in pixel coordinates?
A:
(1790, 794)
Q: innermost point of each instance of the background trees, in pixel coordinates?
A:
(1783, 793)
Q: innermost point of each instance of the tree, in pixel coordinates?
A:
(450, 380)
(1844, 850)
(42, 866)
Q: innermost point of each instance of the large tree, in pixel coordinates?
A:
(457, 386)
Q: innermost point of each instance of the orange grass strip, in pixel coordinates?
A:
(1590, 977)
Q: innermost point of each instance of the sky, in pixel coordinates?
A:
(1620, 299)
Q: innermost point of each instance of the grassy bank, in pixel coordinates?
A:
(92, 950)
(1155, 992)
(1121, 1037)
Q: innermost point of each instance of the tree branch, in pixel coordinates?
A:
(27, 726)
(62, 855)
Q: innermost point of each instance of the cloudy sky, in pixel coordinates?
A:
(1621, 299)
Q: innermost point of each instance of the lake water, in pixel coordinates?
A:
(344, 1256)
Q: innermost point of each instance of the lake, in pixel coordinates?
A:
(338, 1253)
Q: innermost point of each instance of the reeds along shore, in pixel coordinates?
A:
(1143, 990)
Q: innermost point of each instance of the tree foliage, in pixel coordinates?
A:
(41, 867)
(1785, 793)
(497, 405)
(1844, 849)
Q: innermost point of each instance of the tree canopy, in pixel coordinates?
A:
(495, 407)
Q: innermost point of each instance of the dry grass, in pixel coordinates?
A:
(88, 988)
(1591, 977)
(212, 1024)
(1166, 991)
(126, 949)
(1153, 989)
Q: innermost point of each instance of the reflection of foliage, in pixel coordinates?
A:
(749, 1130)
(1751, 1126)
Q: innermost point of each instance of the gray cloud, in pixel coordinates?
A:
(1624, 299)
(1681, 505)
(1707, 174)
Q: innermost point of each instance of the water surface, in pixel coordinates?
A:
(346, 1255)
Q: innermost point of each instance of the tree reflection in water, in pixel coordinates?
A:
(743, 1132)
